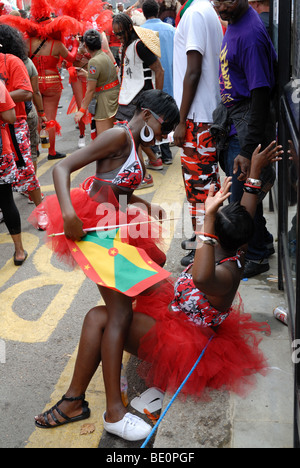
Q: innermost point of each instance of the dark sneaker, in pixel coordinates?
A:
(188, 244)
(253, 269)
(167, 161)
(188, 259)
(57, 155)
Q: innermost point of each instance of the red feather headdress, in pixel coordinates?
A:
(40, 9)
(73, 17)
(56, 28)
(88, 12)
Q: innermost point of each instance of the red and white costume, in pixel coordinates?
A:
(185, 322)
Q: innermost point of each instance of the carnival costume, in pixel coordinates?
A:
(92, 16)
(81, 61)
(15, 76)
(42, 27)
(185, 324)
(105, 210)
(8, 168)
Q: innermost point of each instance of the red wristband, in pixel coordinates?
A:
(82, 110)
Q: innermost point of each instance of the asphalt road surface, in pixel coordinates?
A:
(42, 307)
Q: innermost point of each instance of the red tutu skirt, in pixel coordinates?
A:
(173, 345)
(141, 233)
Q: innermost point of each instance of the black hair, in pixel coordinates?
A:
(92, 39)
(150, 8)
(161, 103)
(234, 226)
(126, 24)
(23, 14)
(12, 42)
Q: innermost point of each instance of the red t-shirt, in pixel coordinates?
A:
(6, 103)
(15, 76)
(114, 41)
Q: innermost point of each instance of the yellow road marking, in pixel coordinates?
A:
(28, 331)
(45, 166)
(171, 191)
(9, 269)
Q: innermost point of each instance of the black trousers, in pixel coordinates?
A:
(9, 209)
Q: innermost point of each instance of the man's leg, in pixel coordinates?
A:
(200, 170)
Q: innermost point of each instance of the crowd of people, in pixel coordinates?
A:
(204, 70)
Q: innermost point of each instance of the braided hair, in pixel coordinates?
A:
(125, 22)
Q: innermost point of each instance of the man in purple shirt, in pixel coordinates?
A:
(247, 80)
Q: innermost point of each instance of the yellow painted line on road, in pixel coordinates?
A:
(44, 166)
(9, 269)
(16, 328)
(169, 190)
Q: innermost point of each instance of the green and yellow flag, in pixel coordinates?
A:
(112, 263)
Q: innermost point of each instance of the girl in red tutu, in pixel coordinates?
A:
(169, 331)
(119, 171)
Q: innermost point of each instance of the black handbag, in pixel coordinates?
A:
(93, 106)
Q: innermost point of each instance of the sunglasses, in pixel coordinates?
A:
(166, 127)
(120, 34)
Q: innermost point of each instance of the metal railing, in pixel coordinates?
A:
(288, 41)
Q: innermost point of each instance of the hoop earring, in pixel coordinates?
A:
(143, 136)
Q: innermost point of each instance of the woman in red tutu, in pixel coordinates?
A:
(119, 171)
(169, 331)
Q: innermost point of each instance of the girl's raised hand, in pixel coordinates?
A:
(271, 154)
(215, 201)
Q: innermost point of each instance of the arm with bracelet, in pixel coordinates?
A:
(252, 186)
(91, 88)
(226, 230)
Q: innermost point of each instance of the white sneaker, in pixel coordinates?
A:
(81, 142)
(1, 217)
(131, 427)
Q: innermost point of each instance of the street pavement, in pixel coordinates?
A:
(42, 306)
(262, 419)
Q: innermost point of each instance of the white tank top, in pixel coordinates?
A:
(133, 79)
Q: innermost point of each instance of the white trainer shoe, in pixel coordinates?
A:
(81, 142)
(131, 427)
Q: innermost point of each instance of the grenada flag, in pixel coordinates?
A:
(114, 264)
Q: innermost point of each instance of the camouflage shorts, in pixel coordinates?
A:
(32, 120)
